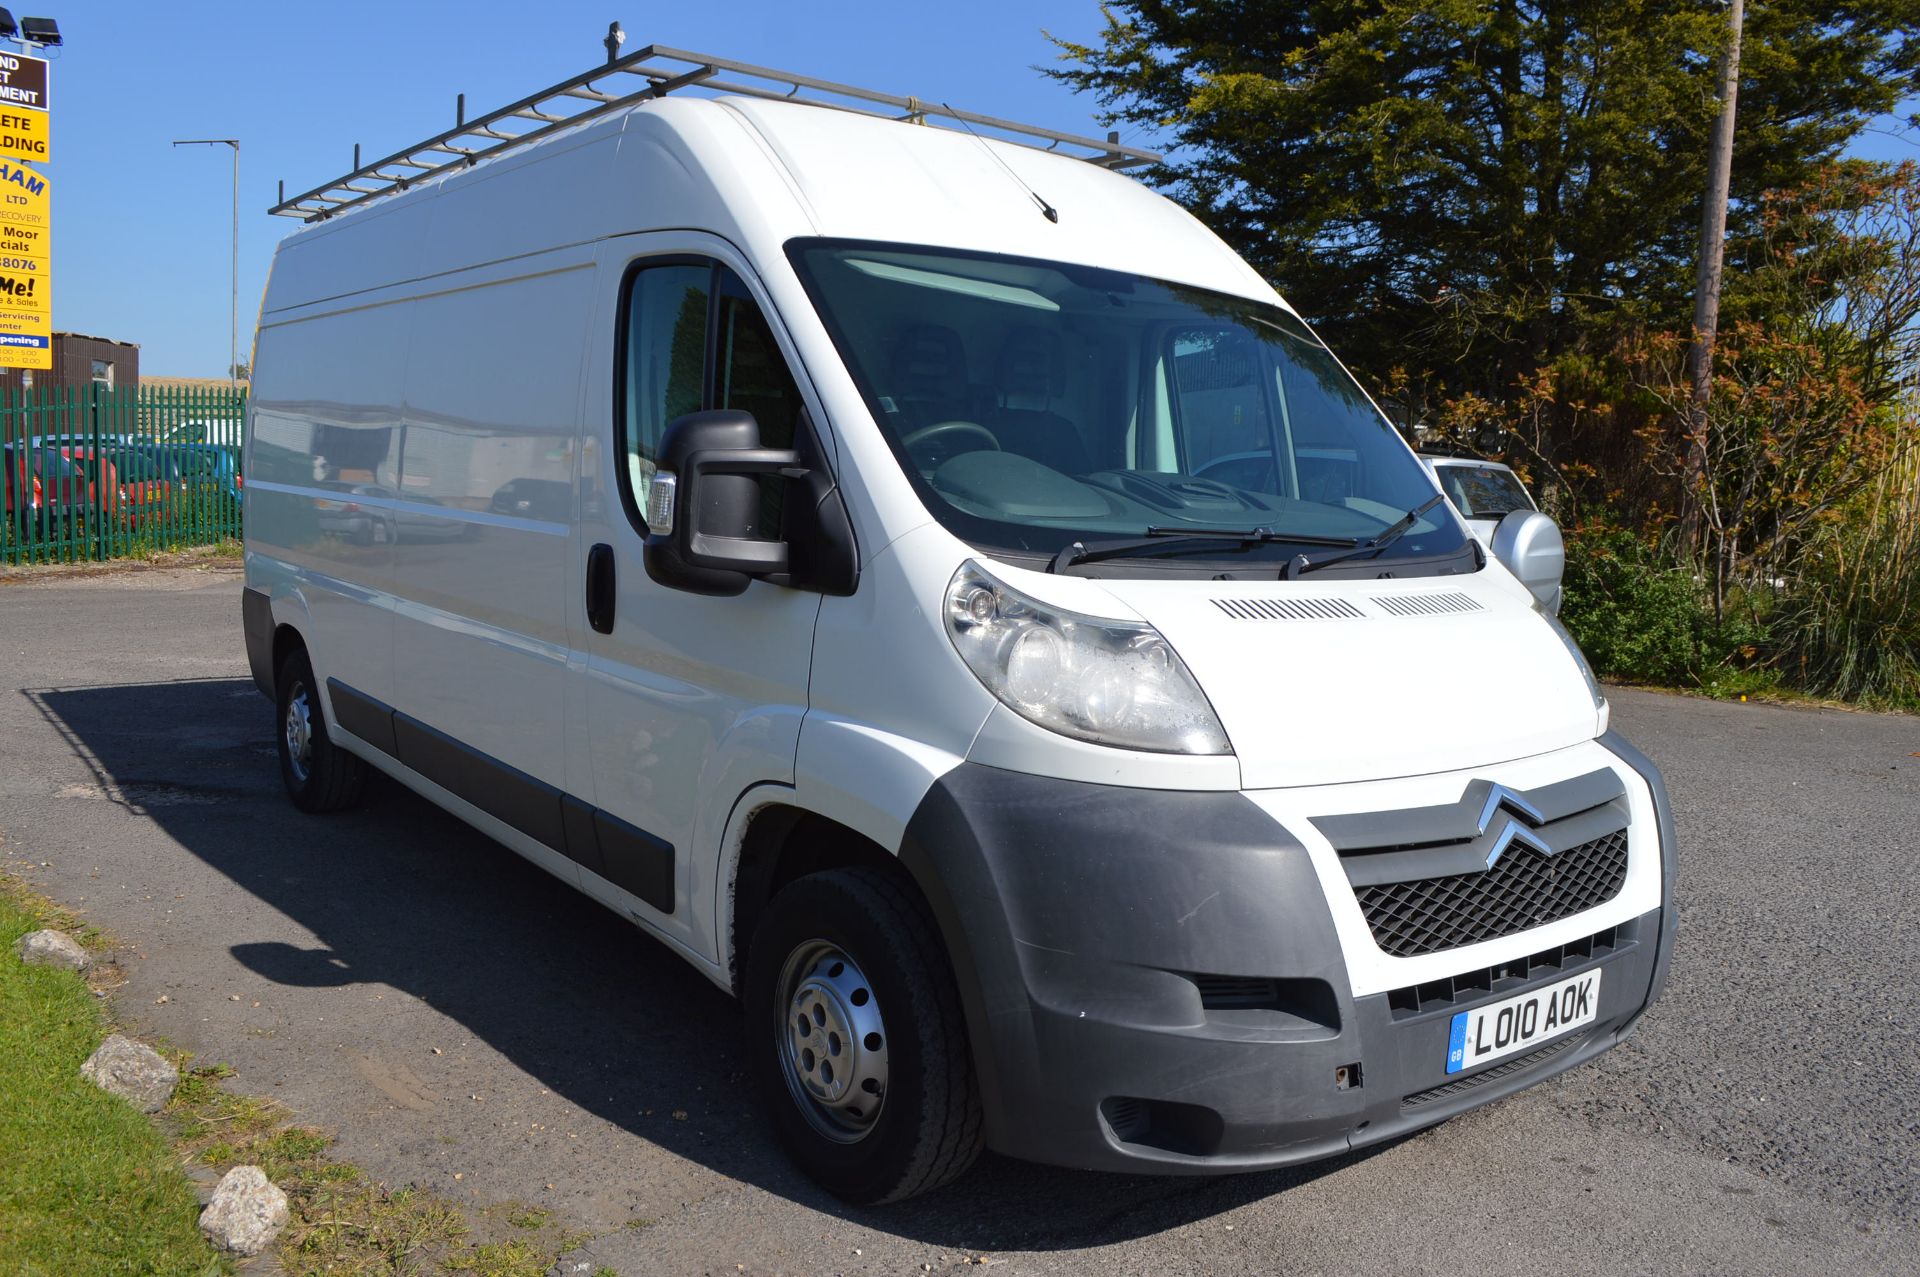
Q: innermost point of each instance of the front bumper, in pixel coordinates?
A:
(1153, 982)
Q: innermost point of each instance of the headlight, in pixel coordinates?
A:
(1111, 682)
(1580, 659)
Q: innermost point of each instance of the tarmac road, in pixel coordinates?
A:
(450, 1011)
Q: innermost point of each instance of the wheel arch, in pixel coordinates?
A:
(273, 617)
(780, 843)
(286, 640)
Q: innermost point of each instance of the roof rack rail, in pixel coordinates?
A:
(660, 70)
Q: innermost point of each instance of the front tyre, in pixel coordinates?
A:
(319, 775)
(857, 1038)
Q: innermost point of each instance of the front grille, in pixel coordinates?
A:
(1127, 1116)
(1301, 1003)
(1461, 1085)
(1229, 992)
(1524, 889)
(1449, 992)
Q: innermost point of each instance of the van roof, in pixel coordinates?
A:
(757, 173)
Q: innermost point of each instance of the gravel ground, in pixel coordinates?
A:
(464, 1022)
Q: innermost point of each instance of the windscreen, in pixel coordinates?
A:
(1034, 404)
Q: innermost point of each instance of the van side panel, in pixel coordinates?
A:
(483, 556)
(324, 430)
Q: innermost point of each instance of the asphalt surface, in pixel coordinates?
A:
(466, 1023)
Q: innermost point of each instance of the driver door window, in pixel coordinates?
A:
(694, 339)
(666, 355)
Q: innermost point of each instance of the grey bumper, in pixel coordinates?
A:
(1152, 982)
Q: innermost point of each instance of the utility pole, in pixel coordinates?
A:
(1706, 289)
(233, 317)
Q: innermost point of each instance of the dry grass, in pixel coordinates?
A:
(344, 1223)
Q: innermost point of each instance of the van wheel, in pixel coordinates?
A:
(857, 1038)
(319, 775)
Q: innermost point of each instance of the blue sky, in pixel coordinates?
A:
(141, 239)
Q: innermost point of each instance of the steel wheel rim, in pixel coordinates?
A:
(831, 1041)
(299, 733)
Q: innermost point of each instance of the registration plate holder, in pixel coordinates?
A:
(1482, 1035)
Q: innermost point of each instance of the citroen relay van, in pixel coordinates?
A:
(947, 597)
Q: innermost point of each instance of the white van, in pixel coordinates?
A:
(803, 532)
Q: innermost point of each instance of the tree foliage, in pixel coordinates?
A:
(1467, 190)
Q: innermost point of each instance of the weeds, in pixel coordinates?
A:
(1850, 626)
(343, 1222)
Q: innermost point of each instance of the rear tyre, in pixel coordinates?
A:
(857, 1039)
(319, 775)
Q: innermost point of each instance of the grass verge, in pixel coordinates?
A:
(343, 1222)
(87, 1183)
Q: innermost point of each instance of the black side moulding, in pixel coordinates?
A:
(622, 853)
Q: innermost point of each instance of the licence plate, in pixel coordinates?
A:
(1487, 1033)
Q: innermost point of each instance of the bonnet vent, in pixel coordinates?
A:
(1428, 604)
(1288, 609)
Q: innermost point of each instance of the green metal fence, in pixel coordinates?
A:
(98, 473)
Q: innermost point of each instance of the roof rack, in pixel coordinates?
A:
(660, 71)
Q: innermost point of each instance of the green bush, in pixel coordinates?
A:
(1641, 617)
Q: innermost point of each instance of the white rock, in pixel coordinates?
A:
(247, 1212)
(133, 1071)
(53, 949)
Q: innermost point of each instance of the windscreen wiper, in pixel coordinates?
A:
(1300, 564)
(1157, 538)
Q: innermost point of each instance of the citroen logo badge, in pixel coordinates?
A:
(1501, 800)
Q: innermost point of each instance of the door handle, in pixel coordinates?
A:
(600, 583)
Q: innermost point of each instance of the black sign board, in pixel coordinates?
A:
(23, 81)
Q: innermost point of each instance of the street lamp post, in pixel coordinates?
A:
(233, 322)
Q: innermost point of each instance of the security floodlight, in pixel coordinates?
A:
(40, 31)
(8, 27)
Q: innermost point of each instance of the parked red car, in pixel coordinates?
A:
(19, 510)
(105, 493)
(55, 491)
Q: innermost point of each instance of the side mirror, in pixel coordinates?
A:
(1529, 544)
(704, 511)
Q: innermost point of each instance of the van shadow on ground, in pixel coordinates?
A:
(577, 998)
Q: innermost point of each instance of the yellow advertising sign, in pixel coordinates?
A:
(26, 289)
(24, 195)
(25, 349)
(23, 286)
(20, 239)
(24, 135)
